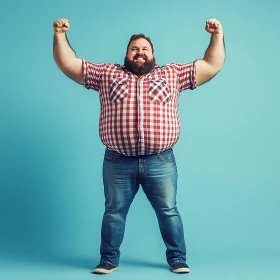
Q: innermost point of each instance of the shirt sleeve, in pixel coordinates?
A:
(92, 73)
(186, 74)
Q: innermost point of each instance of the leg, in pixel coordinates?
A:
(120, 175)
(160, 186)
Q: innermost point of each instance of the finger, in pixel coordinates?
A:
(210, 20)
(214, 24)
(57, 23)
(64, 20)
(61, 22)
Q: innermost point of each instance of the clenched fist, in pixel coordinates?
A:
(61, 26)
(213, 26)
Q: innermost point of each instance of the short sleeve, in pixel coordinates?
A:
(92, 73)
(186, 74)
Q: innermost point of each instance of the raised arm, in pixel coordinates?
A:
(64, 55)
(214, 56)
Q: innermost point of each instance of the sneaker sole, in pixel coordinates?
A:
(104, 271)
(180, 270)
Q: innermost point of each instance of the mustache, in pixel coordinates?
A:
(140, 55)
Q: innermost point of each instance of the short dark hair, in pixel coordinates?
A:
(138, 36)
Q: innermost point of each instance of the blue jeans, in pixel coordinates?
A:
(122, 176)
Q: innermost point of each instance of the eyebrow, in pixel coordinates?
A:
(145, 47)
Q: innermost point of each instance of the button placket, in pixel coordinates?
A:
(140, 116)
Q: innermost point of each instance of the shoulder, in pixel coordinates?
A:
(100, 68)
(166, 67)
(105, 65)
(176, 67)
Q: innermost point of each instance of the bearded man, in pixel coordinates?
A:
(139, 125)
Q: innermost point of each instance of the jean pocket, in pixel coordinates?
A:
(158, 91)
(111, 156)
(167, 156)
(118, 90)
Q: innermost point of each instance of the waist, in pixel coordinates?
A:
(167, 150)
(136, 147)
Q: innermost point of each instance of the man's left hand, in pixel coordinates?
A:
(213, 26)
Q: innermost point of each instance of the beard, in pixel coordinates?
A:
(147, 67)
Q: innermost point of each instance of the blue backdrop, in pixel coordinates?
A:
(52, 202)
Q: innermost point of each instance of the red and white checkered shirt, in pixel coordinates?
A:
(139, 115)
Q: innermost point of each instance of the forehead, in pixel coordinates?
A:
(141, 42)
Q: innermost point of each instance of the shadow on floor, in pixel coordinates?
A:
(89, 263)
(142, 263)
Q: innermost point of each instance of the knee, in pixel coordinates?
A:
(116, 211)
(167, 211)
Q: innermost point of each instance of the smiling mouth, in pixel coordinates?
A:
(140, 58)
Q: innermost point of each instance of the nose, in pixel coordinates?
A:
(140, 52)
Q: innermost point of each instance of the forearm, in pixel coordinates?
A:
(215, 53)
(62, 51)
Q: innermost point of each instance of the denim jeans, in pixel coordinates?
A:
(122, 176)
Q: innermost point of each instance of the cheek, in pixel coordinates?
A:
(130, 56)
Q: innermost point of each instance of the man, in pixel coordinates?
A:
(139, 125)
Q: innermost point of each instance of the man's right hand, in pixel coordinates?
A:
(61, 26)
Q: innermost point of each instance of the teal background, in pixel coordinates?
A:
(52, 202)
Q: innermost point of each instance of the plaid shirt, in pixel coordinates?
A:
(139, 115)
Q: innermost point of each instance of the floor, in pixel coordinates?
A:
(136, 269)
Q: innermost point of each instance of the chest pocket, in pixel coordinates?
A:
(118, 90)
(158, 91)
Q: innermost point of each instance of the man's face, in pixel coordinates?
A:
(139, 58)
